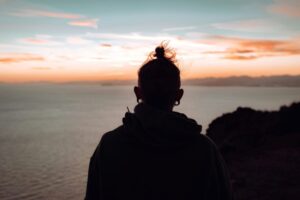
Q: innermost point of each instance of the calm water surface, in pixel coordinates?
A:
(48, 132)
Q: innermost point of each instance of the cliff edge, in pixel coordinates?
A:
(262, 151)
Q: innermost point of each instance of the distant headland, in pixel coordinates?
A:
(261, 81)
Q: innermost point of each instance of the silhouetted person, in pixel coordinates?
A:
(157, 154)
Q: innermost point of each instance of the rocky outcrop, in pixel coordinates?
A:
(262, 151)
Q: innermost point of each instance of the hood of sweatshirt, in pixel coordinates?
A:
(156, 127)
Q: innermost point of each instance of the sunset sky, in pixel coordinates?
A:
(87, 40)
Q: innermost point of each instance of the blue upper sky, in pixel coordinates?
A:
(123, 16)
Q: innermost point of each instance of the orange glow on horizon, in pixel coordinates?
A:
(45, 75)
(218, 56)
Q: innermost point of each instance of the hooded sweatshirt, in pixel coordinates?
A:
(157, 155)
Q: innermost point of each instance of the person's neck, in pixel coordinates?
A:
(163, 108)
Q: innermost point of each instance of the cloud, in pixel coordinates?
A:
(253, 25)
(239, 57)
(77, 40)
(92, 23)
(289, 8)
(39, 40)
(76, 19)
(19, 57)
(41, 68)
(106, 45)
(130, 36)
(34, 41)
(246, 49)
(183, 28)
(45, 13)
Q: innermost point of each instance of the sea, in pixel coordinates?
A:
(48, 132)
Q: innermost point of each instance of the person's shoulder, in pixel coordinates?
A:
(112, 136)
(204, 141)
(113, 133)
(109, 138)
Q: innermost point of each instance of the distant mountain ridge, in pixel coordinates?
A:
(262, 81)
(246, 81)
(243, 81)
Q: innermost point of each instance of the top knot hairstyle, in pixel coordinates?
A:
(159, 52)
(159, 77)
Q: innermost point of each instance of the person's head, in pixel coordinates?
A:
(159, 80)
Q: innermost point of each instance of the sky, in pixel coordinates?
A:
(92, 40)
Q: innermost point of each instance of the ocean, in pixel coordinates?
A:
(49, 131)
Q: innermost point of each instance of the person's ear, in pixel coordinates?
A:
(138, 93)
(179, 95)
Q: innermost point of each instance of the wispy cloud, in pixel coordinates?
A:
(182, 28)
(19, 57)
(77, 40)
(253, 25)
(106, 45)
(41, 68)
(289, 8)
(45, 13)
(239, 57)
(130, 36)
(39, 40)
(76, 19)
(92, 23)
(246, 49)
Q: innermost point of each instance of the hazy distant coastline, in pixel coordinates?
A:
(243, 81)
(262, 81)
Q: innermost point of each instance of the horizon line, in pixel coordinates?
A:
(124, 81)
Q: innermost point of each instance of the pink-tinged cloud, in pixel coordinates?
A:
(246, 49)
(239, 57)
(91, 23)
(254, 25)
(19, 57)
(45, 13)
(37, 40)
(289, 8)
(76, 40)
(41, 68)
(106, 45)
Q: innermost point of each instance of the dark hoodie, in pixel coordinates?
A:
(157, 155)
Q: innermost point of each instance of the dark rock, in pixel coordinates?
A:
(262, 151)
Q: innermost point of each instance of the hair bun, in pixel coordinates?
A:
(162, 52)
(159, 52)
